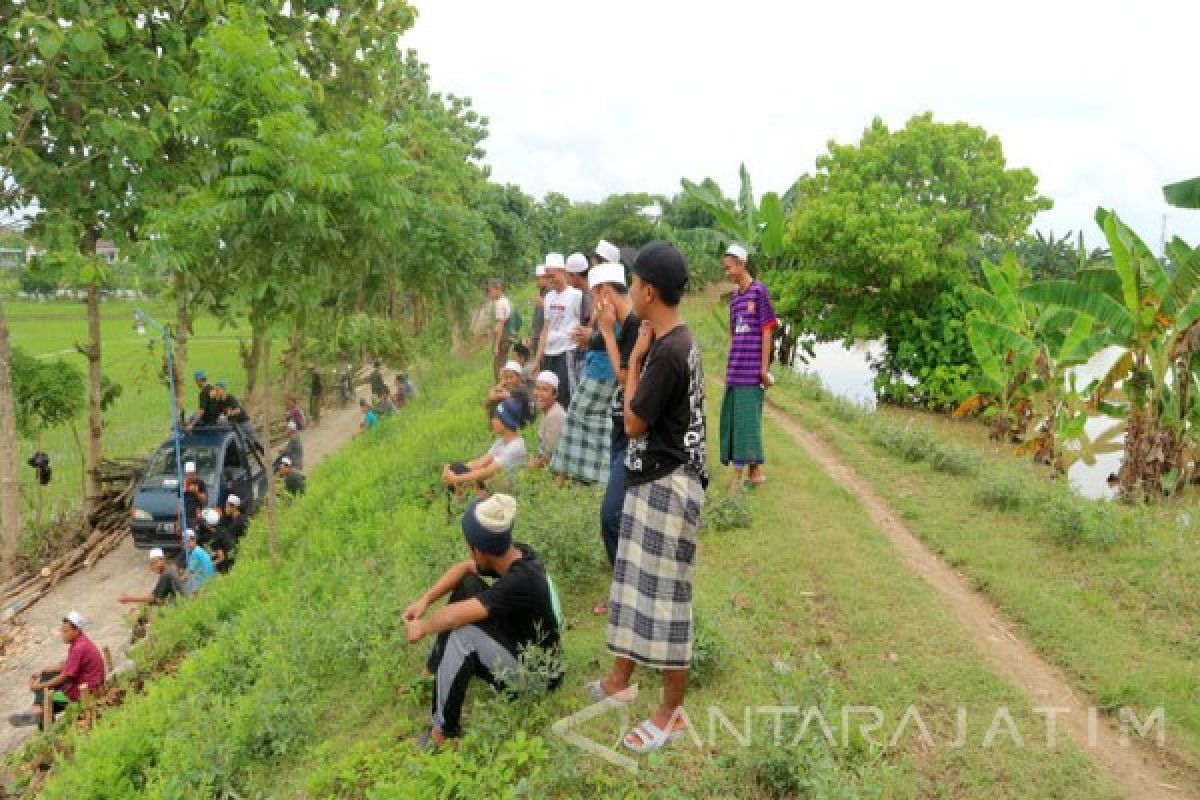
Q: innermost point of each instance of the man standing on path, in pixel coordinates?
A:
(501, 312)
(556, 348)
(59, 684)
(752, 322)
(315, 389)
(650, 603)
(378, 384)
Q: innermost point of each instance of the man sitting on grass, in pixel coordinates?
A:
(512, 385)
(84, 667)
(482, 629)
(553, 416)
(506, 453)
(166, 588)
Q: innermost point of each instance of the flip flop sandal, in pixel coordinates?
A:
(23, 719)
(600, 609)
(650, 738)
(595, 691)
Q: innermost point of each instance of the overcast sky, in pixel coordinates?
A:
(591, 98)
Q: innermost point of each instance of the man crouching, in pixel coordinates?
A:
(482, 628)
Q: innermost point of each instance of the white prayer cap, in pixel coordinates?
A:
(608, 251)
(577, 263)
(512, 366)
(285, 460)
(233, 500)
(211, 516)
(606, 273)
(555, 261)
(76, 619)
(539, 271)
(156, 553)
(189, 466)
(549, 378)
(738, 252)
(291, 426)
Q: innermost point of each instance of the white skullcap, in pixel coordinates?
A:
(189, 466)
(189, 534)
(156, 553)
(554, 261)
(291, 426)
(549, 378)
(738, 252)
(497, 513)
(285, 460)
(211, 516)
(606, 273)
(233, 500)
(577, 263)
(608, 251)
(512, 366)
(76, 619)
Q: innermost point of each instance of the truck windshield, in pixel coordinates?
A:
(163, 465)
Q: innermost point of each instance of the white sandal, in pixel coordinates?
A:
(650, 737)
(595, 691)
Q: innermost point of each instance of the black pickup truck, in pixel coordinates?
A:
(225, 461)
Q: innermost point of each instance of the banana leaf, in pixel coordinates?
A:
(1066, 294)
(1187, 277)
(1185, 194)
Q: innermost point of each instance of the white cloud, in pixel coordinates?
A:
(594, 98)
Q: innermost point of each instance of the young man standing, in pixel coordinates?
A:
(751, 324)
(315, 389)
(545, 394)
(556, 348)
(619, 327)
(650, 603)
(501, 311)
(59, 684)
(482, 629)
(539, 306)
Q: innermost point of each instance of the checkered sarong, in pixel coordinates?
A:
(583, 448)
(650, 602)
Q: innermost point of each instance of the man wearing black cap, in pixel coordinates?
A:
(481, 631)
(650, 601)
(506, 453)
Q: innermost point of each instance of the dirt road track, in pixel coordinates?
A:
(1132, 768)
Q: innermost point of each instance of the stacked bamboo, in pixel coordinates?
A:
(94, 535)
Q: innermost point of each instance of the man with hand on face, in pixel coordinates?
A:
(483, 628)
(563, 307)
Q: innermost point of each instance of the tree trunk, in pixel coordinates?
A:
(10, 497)
(95, 453)
(266, 417)
(182, 324)
(292, 373)
(252, 360)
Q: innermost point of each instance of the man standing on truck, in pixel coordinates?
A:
(208, 407)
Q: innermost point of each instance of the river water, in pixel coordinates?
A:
(845, 370)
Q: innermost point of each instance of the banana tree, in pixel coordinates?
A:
(1151, 315)
(1185, 194)
(1026, 354)
(759, 226)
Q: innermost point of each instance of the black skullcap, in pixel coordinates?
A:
(662, 266)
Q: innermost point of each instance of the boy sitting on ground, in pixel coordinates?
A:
(482, 629)
(553, 416)
(506, 453)
(511, 386)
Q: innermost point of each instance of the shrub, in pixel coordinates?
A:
(708, 652)
(727, 513)
(1002, 493)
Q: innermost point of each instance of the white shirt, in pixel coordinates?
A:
(511, 456)
(562, 316)
(501, 309)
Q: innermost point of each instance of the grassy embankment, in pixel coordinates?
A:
(294, 676)
(1105, 591)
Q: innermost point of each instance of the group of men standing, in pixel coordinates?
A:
(619, 380)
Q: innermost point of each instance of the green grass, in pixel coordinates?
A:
(140, 418)
(293, 676)
(1105, 591)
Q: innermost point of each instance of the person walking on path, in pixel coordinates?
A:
(316, 388)
(752, 322)
(650, 602)
(378, 384)
(502, 311)
(556, 348)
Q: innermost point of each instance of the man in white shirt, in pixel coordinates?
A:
(556, 348)
(501, 311)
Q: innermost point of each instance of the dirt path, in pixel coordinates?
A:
(1130, 767)
(94, 592)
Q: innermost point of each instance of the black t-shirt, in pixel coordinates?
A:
(378, 386)
(670, 398)
(205, 534)
(626, 339)
(232, 409)
(191, 499)
(167, 586)
(235, 528)
(314, 386)
(223, 540)
(210, 407)
(520, 611)
(294, 482)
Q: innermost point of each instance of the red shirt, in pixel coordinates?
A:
(84, 665)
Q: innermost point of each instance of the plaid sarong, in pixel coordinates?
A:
(741, 425)
(650, 602)
(583, 448)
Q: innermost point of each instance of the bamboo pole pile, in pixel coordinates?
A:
(92, 536)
